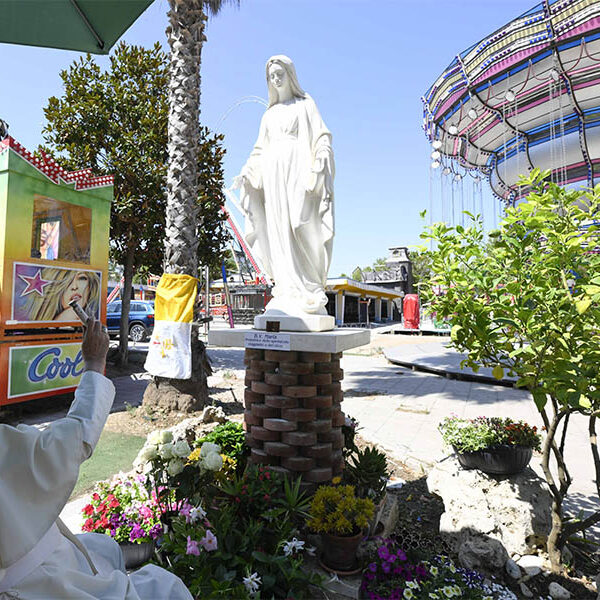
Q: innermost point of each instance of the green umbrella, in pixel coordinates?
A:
(84, 25)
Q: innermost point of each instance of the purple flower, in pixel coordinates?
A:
(401, 555)
(383, 552)
(192, 547)
(136, 533)
(155, 531)
(386, 567)
(373, 567)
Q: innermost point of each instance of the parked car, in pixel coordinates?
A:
(141, 319)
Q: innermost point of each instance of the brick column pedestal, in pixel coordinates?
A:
(293, 415)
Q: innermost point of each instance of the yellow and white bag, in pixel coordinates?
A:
(170, 352)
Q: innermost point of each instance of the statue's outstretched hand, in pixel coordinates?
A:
(94, 346)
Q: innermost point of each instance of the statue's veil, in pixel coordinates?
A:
(288, 65)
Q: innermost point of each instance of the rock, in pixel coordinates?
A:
(482, 554)
(514, 510)
(188, 429)
(527, 593)
(173, 395)
(531, 564)
(558, 592)
(213, 414)
(512, 568)
(389, 515)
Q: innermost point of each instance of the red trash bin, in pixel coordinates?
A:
(411, 311)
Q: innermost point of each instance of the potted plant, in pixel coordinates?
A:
(493, 445)
(341, 518)
(367, 471)
(123, 509)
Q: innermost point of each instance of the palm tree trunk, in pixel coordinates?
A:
(185, 34)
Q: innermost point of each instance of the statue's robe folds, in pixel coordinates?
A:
(289, 205)
(38, 471)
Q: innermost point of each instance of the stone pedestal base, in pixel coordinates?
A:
(293, 416)
(288, 323)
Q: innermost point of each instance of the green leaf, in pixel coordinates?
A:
(498, 372)
(584, 402)
(454, 332)
(539, 397)
(583, 305)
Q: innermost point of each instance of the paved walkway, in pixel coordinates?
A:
(399, 408)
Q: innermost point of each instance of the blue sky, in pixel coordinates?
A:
(365, 62)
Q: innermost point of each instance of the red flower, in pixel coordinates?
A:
(88, 525)
(88, 509)
(113, 503)
(267, 497)
(96, 497)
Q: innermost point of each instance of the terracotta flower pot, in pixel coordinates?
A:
(339, 552)
(502, 460)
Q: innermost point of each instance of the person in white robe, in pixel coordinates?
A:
(286, 191)
(40, 559)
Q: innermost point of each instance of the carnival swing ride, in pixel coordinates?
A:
(525, 96)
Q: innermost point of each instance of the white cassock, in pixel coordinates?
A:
(39, 558)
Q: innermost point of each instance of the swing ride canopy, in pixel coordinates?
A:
(526, 96)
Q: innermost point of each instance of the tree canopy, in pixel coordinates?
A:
(526, 302)
(115, 122)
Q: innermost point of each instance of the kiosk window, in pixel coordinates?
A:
(61, 231)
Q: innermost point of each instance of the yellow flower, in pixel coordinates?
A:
(194, 456)
(336, 480)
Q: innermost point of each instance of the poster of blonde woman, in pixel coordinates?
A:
(42, 294)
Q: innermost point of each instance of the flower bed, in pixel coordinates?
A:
(393, 575)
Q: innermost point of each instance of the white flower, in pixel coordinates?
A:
(252, 583)
(448, 591)
(295, 545)
(175, 467)
(166, 451)
(166, 436)
(146, 454)
(181, 449)
(408, 594)
(154, 437)
(213, 461)
(412, 585)
(197, 514)
(434, 571)
(208, 448)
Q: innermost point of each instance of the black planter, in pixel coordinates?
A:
(501, 460)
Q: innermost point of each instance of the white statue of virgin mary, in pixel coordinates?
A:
(286, 191)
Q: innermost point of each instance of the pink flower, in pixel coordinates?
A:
(185, 511)
(146, 512)
(209, 541)
(192, 547)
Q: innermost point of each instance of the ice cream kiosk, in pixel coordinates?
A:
(54, 228)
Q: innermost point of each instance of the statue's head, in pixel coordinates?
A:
(281, 72)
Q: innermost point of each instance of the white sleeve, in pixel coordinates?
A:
(93, 400)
